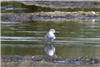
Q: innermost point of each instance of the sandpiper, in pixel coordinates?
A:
(49, 37)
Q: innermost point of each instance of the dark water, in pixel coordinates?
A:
(18, 7)
(75, 39)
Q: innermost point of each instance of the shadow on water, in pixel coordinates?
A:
(75, 39)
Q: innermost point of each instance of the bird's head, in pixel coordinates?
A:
(53, 31)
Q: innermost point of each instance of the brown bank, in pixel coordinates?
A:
(50, 16)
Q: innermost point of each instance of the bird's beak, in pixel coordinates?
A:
(56, 33)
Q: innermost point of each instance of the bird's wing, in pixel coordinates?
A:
(49, 36)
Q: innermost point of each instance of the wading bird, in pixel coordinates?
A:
(50, 36)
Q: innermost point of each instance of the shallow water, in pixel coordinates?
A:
(75, 39)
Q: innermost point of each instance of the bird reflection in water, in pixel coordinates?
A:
(49, 50)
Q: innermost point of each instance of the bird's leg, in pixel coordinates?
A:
(47, 43)
(51, 43)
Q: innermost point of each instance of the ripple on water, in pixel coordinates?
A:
(10, 22)
(4, 38)
(33, 31)
(21, 45)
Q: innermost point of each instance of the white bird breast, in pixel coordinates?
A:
(50, 37)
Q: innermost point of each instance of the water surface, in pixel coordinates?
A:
(75, 39)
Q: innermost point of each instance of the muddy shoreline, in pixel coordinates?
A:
(41, 60)
(50, 16)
